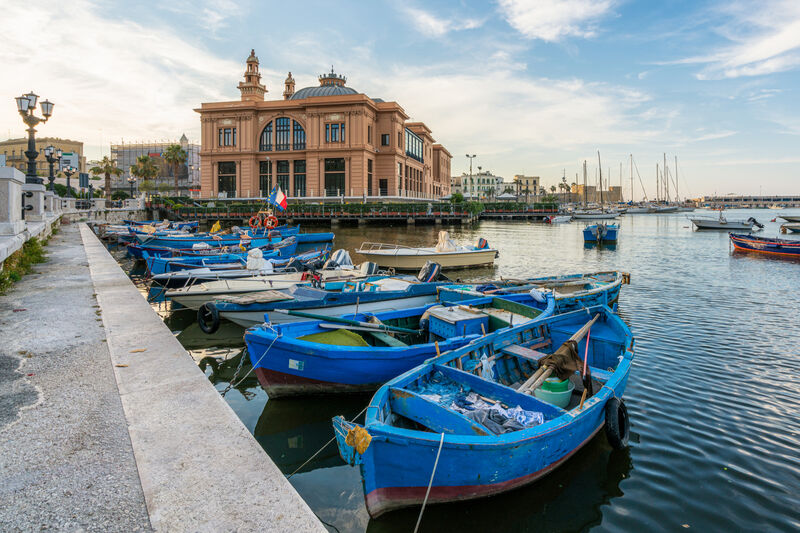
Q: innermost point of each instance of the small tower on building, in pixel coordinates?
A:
(251, 88)
(184, 141)
(289, 87)
(332, 79)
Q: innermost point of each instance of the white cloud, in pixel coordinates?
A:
(553, 20)
(109, 78)
(763, 41)
(433, 26)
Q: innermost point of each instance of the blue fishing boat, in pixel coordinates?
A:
(488, 417)
(136, 250)
(188, 241)
(786, 248)
(572, 291)
(362, 351)
(163, 265)
(375, 295)
(189, 225)
(600, 232)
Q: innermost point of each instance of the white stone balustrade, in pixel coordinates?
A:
(11, 182)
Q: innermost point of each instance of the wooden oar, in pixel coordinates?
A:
(370, 325)
(585, 365)
(543, 373)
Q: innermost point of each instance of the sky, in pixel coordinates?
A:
(531, 87)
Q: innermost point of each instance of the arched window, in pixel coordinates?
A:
(299, 136)
(282, 134)
(265, 144)
(289, 135)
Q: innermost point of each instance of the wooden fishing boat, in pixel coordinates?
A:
(601, 232)
(595, 215)
(360, 352)
(163, 265)
(571, 292)
(136, 250)
(465, 425)
(373, 296)
(446, 253)
(765, 245)
(193, 296)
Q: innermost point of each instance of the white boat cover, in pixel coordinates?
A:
(445, 243)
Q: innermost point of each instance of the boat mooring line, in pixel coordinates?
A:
(323, 446)
(430, 484)
(231, 384)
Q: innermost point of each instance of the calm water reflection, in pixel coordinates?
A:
(714, 394)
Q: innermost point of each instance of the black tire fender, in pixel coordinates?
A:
(208, 318)
(618, 424)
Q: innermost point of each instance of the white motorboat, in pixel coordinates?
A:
(794, 227)
(196, 295)
(723, 223)
(446, 253)
(595, 215)
(558, 219)
(790, 218)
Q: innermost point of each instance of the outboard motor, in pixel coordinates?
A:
(481, 244)
(429, 272)
(369, 268)
(315, 264)
(294, 265)
(756, 223)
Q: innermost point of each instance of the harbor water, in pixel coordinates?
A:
(713, 397)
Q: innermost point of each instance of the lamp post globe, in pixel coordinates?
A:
(26, 105)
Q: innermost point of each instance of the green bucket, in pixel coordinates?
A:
(555, 385)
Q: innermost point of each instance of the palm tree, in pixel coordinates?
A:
(144, 169)
(107, 167)
(175, 156)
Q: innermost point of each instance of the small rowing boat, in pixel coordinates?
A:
(360, 352)
(765, 245)
(601, 232)
(479, 420)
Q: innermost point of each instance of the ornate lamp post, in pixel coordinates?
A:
(68, 172)
(131, 181)
(53, 156)
(26, 105)
(471, 157)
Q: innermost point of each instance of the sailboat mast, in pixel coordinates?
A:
(600, 169)
(666, 179)
(584, 184)
(677, 197)
(620, 181)
(658, 187)
(631, 177)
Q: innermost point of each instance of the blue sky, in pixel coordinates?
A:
(531, 87)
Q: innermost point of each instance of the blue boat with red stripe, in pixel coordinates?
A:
(765, 245)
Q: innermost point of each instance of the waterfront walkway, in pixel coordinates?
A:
(106, 423)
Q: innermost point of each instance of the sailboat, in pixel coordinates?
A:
(594, 214)
(600, 232)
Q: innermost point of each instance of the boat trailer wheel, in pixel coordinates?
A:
(617, 423)
(208, 318)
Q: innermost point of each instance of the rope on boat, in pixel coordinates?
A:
(430, 483)
(231, 384)
(324, 446)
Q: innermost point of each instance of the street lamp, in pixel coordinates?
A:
(26, 105)
(131, 181)
(52, 155)
(68, 172)
(471, 157)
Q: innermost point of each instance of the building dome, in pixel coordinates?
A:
(330, 84)
(326, 90)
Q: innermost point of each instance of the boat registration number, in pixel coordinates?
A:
(296, 365)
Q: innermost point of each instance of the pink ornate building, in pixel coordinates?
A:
(328, 140)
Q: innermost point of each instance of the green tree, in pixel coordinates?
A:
(164, 187)
(147, 186)
(119, 195)
(146, 170)
(175, 156)
(107, 167)
(457, 198)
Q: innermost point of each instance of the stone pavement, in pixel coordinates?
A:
(106, 423)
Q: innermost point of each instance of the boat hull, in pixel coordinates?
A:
(247, 318)
(447, 260)
(790, 218)
(701, 223)
(609, 236)
(762, 245)
(594, 216)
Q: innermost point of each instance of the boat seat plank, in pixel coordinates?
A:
(387, 339)
(600, 375)
(526, 353)
(432, 415)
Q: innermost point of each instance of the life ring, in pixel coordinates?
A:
(270, 222)
(208, 318)
(254, 222)
(618, 424)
